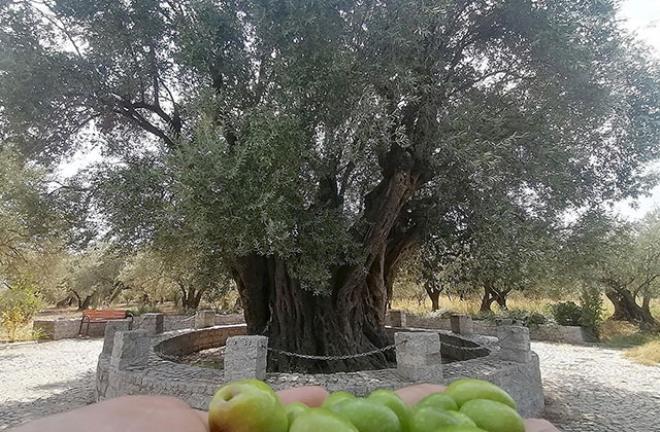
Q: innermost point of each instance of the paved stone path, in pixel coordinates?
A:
(46, 378)
(592, 389)
(587, 389)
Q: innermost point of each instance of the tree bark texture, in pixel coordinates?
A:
(492, 295)
(627, 309)
(434, 295)
(191, 297)
(350, 318)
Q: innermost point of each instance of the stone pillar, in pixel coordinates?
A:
(418, 356)
(461, 324)
(245, 357)
(204, 319)
(397, 318)
(514, 343)
(130, 348)
(111, 328)
(152, 323)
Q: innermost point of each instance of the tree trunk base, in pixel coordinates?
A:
(317, 328)
(300, 323)
(626, 309)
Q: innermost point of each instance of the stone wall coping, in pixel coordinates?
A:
(57, 319)
(552, 332)
(196, 385)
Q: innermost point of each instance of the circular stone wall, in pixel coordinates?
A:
(478, 357)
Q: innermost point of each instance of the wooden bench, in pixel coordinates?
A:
(97, 316)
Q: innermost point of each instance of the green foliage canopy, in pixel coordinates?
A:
(272, 127)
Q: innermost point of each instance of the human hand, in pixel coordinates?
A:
(158, 413)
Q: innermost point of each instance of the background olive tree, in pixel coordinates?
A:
(618, 259)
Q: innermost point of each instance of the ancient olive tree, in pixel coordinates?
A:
(309, 145)
(621, 259)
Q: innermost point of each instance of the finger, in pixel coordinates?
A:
(204, 417)
(312, 396)
(125, 414)
(413, 394)
(538, 425)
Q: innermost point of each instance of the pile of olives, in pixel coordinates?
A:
(467, 405)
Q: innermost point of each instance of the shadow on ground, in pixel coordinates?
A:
(578, 403)
(65, 396)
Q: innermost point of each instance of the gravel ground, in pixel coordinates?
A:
(46, 378)
(587, 389)
(591, 389)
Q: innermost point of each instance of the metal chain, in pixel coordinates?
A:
(343, 357)
(176, 359)
(462, 347)
(365, 354)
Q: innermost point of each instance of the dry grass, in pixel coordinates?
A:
(641, 347)
(22, 334)
(647, 354)
(470, 306)
(515, 301)
(621, 334)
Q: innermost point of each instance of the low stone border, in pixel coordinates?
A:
(188, 342)
(68, 328)
(63, 328)
(134, 367)
(544, 332)
(562, 334)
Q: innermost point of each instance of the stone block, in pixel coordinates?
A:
(461, 324)
(152, 323)
(44, 329)
(398, 318)
(245, 357)
(514, 343)
(130, 349)
(111, 328)
(418, 356)
(204, 319)
(514, 355)
(50, 329)
(562, 334)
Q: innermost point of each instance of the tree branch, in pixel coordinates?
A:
(129, 112)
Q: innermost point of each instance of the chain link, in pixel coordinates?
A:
(326, 358)
(365, 354)
(462, 347)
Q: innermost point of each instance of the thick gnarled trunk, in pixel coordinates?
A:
(349, 318)
(646, 303)
(301, 322)
(83, 303)
(434, 295)
(492, 295)
(627, 309)
(190, 297)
